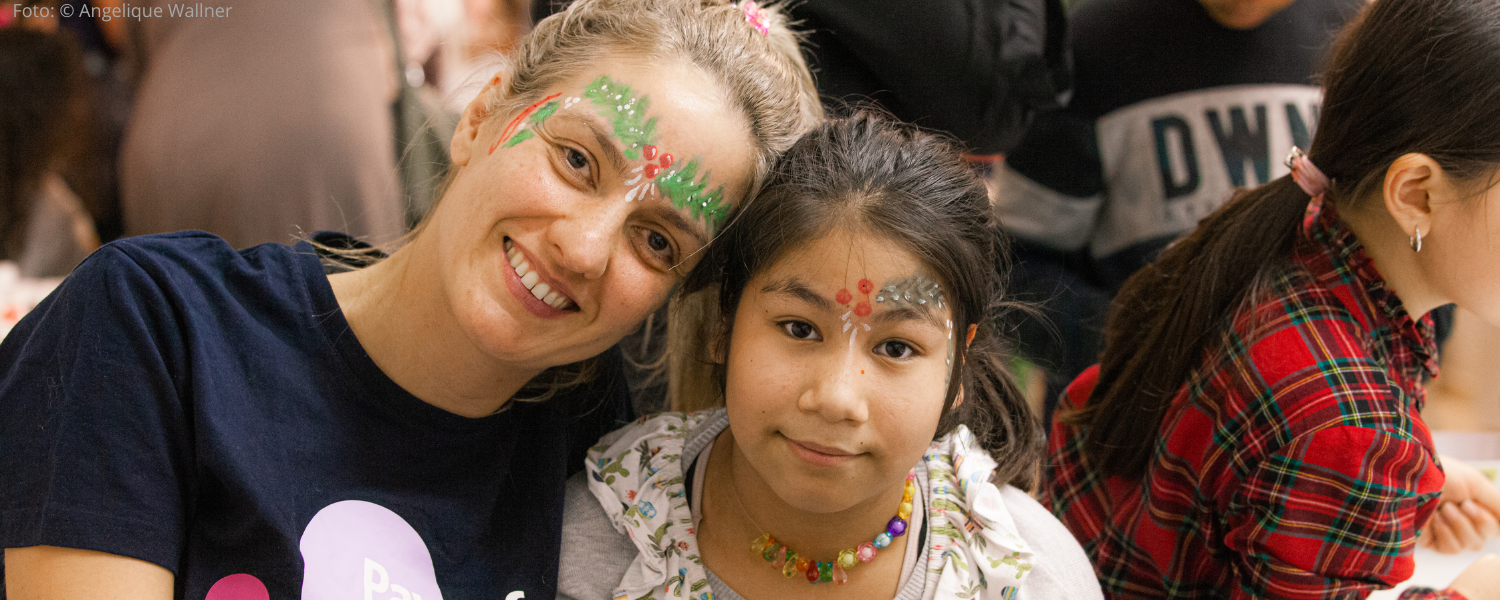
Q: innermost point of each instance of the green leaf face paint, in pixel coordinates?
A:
(684, 187)
(627, 113)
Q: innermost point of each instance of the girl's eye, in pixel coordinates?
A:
(575, 158)
(895, 349)
(800, 330)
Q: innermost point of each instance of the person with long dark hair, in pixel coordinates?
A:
(1254, 427)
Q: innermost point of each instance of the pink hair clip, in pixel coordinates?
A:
(756, 17)
(1306, 174)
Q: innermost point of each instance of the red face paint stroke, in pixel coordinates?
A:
(516, 122)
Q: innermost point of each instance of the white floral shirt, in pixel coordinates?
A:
(636, 473)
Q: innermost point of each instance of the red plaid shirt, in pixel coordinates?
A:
(1294, 462)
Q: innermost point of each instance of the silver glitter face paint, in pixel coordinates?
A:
(916, 291)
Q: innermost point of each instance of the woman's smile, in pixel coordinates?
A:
(541, 294)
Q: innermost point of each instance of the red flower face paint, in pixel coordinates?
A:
(843, 297)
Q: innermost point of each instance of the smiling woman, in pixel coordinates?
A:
(184, 420)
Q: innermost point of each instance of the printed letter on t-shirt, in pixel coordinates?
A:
(354, 550)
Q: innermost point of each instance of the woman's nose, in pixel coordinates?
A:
(584, 240)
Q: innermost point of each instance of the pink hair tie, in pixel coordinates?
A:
(1306, 174)
(756, 17)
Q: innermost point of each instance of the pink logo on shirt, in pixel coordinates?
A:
(238, 587)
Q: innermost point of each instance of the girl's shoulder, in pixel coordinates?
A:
(989, 540)
(636, 474)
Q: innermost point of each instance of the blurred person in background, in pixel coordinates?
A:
(271, 121)
(44, 228)
(1175, 104)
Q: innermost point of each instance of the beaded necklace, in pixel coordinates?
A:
(791, 563)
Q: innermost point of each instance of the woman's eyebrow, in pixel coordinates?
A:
(795, 288)
(676, 220)
(606, 143)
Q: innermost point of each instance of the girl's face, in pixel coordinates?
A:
(571, 219)
(837, 370)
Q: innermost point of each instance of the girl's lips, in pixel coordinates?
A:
(530, 302)
(820, 455)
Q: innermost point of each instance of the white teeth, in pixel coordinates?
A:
(532, 281)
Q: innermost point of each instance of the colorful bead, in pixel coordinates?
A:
(846, 558)
(812, 574)
(770, 552)
(803, 564)
(780, 558)
(897, 527)
(790, 568)
(904, 511)
(825, 572)
(882, 540)
(865, 552)
(839, 576)
(760, 543)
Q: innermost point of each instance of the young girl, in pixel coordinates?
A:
(1254, 427)
(871, 430)
(185, 420)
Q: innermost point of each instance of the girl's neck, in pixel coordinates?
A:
(1389, 248)
(738, 506)
(398, 310)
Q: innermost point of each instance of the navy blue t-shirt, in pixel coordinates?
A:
(209, 410)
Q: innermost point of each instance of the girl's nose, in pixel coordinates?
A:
(838, 393)
(585, 240)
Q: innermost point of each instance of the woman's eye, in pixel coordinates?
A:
(575, 158)
(658, 242)
(895, 349)
(800, 330)
(657, 247)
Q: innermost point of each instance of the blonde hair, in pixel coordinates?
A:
(764, 75)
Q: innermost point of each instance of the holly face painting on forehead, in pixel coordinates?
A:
(686, 184)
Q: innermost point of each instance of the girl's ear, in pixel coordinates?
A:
(1412, 183)
(461, 147)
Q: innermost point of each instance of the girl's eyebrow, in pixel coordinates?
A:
(795, 288)
(909, 313)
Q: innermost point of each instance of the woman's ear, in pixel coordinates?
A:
(461, 147)
(1412, 184)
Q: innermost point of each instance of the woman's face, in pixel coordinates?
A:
(572, 218)
(837, 370)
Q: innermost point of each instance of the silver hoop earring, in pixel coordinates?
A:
(1416, 240)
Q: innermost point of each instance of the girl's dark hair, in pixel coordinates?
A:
(41, 95)
(1405, 76)
(892, 180)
